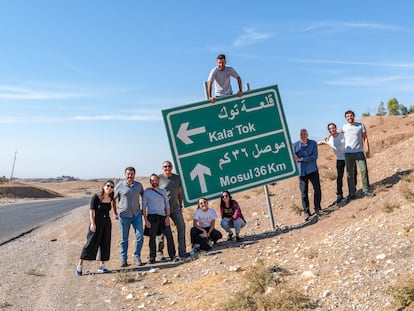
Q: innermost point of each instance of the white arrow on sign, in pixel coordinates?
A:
(199, 171)
(184, 133)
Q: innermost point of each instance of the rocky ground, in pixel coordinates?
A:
(349, 259)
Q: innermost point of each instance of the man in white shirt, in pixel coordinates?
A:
(356, 142)
(221, 75)
(336, 141)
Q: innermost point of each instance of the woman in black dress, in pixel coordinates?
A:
(99, 231)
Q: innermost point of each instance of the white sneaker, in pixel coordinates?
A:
(138, 261)
(78, 271)
(102, 269)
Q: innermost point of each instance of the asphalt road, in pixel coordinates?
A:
(21, 218)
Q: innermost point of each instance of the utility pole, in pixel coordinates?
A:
(14, 162)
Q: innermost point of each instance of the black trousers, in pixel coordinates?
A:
(100, 239)
(340, 169)
(304, 188)
(215, 235)
(158, 225)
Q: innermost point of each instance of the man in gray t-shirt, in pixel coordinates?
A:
(221, 75)
(127, 192)
(171, 183)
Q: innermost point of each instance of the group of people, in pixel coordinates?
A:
(351, 148)
(161, 203)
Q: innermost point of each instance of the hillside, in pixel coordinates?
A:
(349, 259)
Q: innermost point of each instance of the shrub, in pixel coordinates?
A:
(267, 291)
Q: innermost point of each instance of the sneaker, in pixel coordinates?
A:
(193, 252)
(102, 269)
(339, 198)
(152, 260)
(349, 198)
(124, 264)
(138, 261)
(307, 216)
(239, 239)
(229, 236)
(369, 194)
(176, 259)
(78, 271)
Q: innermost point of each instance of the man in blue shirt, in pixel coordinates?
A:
(306, 154)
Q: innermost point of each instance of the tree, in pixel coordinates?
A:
(366, 114)
(381, 110)
(403, 110)
(393, 107)
(411, 109)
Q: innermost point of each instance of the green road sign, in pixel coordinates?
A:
(235, 144)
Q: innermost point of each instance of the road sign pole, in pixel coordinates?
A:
(269, 206)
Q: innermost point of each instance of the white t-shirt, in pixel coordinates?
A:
(204, 218)
(354, 142)
(337, 144)
(221, 78)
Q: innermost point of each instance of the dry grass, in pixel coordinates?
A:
(124, 277)
(406, 192)
(310, 253)
(329, 174)
(267, 291)
(5, 304)
(296, 209)
(382, 188)
(35, 272)
(403, 294)
(408, 178)
(388, 207)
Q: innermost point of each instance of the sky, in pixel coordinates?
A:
(83, 83)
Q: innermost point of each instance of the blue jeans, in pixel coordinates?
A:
(227, 223)
(125, 224)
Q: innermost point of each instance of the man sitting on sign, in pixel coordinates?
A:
(221, 76)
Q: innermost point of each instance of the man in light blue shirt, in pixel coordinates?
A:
(156, 210)
(306, 154)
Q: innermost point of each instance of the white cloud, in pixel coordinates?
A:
(360, 63)
(250, 36)
(364, 81)
(10, 92)
(130, 117)
(347, 25)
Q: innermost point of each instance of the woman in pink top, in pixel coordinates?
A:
(231, 215)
